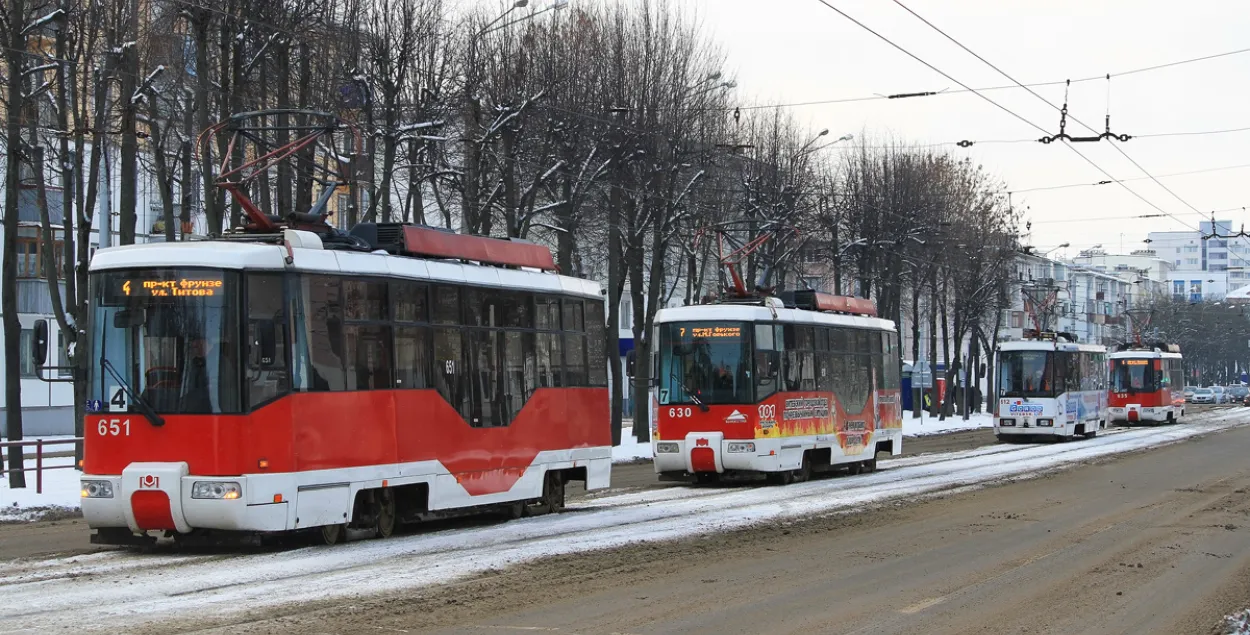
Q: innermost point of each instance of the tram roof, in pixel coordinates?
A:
(757, 313)
(258, 256)
(1050, 345)
(1144, 354)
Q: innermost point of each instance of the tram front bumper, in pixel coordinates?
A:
(163, 497)
(710, 452)
(1134, 413)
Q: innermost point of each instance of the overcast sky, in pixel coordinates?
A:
(784, 51)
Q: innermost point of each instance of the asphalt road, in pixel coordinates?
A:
(1149, 542)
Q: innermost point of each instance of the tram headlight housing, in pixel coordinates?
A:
(740, 448)
(1007, 423)
(216, 490)
(1045, 423)
(666, 447)
(97, 489)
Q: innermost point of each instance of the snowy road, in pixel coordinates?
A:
(111, 590)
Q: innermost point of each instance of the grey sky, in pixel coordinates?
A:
(798, 50)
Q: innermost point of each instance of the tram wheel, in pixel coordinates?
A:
(384, 513)
(870, 465)
(553, 496)
(1091, 434)
(805, 471)
(855, 468)
(331, 534)
(785, 477)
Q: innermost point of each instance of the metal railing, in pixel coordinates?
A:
(40, 445)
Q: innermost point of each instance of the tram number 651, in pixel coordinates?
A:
(113, 427)
(680, 413)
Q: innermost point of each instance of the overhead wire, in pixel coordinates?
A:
(1047, 102)
(1135, 178)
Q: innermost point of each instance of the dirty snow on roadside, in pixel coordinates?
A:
(60, 495)
(117, 590)
(1237, 623)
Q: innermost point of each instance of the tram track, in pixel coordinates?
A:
(120, 588)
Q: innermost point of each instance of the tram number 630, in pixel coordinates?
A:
(113, 427)
(680, 413)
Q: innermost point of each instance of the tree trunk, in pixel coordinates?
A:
(8, 303)
(615, 289)
(129, 176)
(917, 392)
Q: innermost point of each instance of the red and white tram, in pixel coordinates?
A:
(780, 387)
(1147, 384)
(292, 381)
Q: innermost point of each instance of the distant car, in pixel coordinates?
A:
(1189, 392)
(1246, 401)
(1202, 395)
(1237, 394)
(1220, 395)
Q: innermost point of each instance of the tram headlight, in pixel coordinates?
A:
(666, 447)
(737, 448)
(1045, 423)
(1007, 423)
(97, 489)
(218, 490)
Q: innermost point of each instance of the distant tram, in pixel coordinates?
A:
(1051, 386)
(780, 387)
(1147, 384)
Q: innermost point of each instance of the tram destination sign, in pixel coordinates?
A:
(200, 285)
(713, 332)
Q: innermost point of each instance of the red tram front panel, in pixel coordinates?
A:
(306, 442)
(772, 435)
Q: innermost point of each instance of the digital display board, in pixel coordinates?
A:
(1134, 362)
(711, 332)
(204, 285)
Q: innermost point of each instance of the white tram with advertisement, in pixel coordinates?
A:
(784, 387)
(1051, 386)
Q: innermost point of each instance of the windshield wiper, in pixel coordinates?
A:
(144, 409)
(693, 397)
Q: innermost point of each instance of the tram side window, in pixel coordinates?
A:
(449, 376)
(767, 361)
(520, 371)
(409, 302)
(877, 356)
(267, 373)
(446, 305)
(368, 357)
(412, 357)
(596, 343)
(550, 366)
(890, 373)
(364, 300)
(323, 333)
(575, 359)
(573, 316)
(548, 313)
(486, 407)
(824, 361)
(794, 358)
(851, 369)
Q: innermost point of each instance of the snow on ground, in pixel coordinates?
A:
(60, 492)
(118, 590)
(1237, 623)
(931, 425)
(630, 449)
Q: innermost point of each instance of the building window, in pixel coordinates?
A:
(30, 253)
(26, 346)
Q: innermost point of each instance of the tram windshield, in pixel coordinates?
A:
(1133, 376)
(705, 363)
(1027, 374)
(168, 337)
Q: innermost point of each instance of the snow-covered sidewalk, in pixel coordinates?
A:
(60, 492)
(927, 425)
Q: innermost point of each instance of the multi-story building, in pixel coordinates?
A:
(1088, 303)
(1204, 268)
